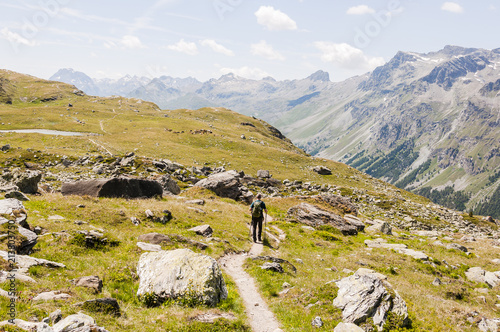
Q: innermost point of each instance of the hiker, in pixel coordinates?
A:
(258, 208)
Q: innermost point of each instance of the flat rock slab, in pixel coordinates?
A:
(314, 216)
(116, 187)
(50, 296)
(148, 246)
(399, 247)
(203, 230)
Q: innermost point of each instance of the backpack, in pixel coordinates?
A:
(257, 209)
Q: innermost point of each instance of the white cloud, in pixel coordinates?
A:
(16, 39)
(360, 10)
(131, 42)
(182, 46)
(216, 47)
(274, 20)
(347, 56)
(267, 51)
(452, 7)
(247, 72)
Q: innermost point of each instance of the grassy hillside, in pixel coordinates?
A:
(213, 137)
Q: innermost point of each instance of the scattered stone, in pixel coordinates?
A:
(92, 282)
(163, 219)
(14, 208)
(314, 216)
(477, 274)
(25, 262)
(5, 147)
(317, 322)
(196, 210)
(487, 325)
(17, 195)
(271, 266)
(56, 218)
(181, 273)
(18, 276)
(50, 296)
(115, 187)
(203, 230)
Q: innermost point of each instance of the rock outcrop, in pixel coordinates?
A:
(181, 274)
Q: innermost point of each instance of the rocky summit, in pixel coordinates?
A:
(140, 221)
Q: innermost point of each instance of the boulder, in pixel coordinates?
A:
(28, 240)
(148, 246)
(317, 322)
(92, 282)
(454, 246)
(322, 170)
(116, 187)
(227, 184)
(181, 274)
(347, 327)
(27, 181)
(25, 262)
(203, 230)
(55, 316)
(366, 296)
(169, 185)
(314, 216)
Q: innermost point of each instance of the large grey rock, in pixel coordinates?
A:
(263, 174)
(27, 181)
(477, 274)
(51, 296)
(227, 184)
(116, 187)
(366, 296)
(29, 240)
(314, 216)
(272, 266)
(169, 185)
(149, 246)
(380, 227)
(347, 327)
(107, 305)
(28, 326)
(456, 246)
(17, 195)
(181, 273)
(154, 238)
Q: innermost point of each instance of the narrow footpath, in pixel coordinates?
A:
(260, 317)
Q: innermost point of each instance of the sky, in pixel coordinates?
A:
(204, 39)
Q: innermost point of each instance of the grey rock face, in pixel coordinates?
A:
(14, 207)
(314, 216)
(347, 327)
(322, 170)
(364, 296)
(181, 273)
(263, 174)
(272, 266)
(116, 187)
(73, 322)
(169, 185)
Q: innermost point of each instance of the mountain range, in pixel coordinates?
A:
(424, 122)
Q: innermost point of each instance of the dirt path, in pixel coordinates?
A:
(258, 313)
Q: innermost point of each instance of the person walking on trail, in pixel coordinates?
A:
(258, 208)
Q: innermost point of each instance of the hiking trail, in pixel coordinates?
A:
(260, 317)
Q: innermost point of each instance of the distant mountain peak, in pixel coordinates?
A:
(320, 75)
